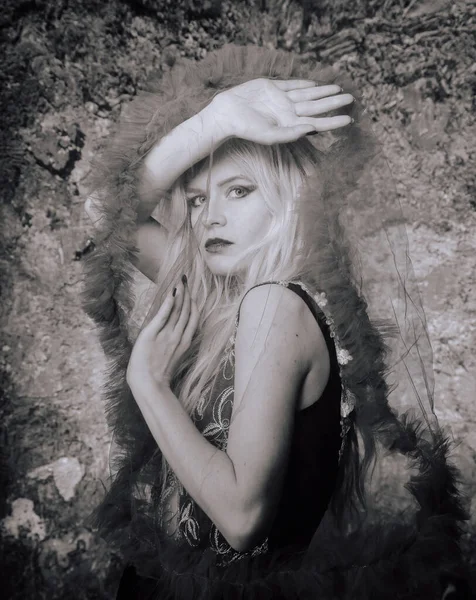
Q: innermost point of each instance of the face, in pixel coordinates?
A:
(231, 209)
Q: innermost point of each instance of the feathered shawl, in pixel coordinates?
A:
(401, 557)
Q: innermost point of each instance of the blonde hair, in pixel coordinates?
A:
(280, 172)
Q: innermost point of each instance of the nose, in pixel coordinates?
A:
(213, 213)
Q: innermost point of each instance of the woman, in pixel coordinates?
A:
(258, 372)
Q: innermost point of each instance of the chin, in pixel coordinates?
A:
(222, 266)
(221, 271)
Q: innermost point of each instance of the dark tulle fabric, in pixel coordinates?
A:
(404, 564)
(293, 567)
(402, 554)
(309, 483)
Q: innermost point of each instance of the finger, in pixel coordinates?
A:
(293, 84)
(192, 324)
(329, 123)
(313, 93)
(283, 135)
(185, 313)
(319, 107)
(179, 296)
(161, 317)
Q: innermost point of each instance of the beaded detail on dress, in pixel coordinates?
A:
(212, 418)
(347, 403)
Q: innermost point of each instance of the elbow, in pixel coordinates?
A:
(248, 531)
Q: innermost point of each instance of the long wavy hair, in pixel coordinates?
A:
(279, 171)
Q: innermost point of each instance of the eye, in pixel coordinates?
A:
(242, 191)
(194, 202)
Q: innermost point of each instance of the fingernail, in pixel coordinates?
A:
(312, 133)
(184, 279)
(352, 120)
(174, 292)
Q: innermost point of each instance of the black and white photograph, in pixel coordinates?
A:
(238, 300)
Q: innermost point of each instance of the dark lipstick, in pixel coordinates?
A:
(216, 244)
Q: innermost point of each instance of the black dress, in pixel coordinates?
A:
(303, 557)
(309, 483)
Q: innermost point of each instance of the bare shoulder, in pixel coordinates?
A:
(275, 316)
(273, 303)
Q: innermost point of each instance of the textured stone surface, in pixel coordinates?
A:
(67, 472)
(24, 519)
(67, 71)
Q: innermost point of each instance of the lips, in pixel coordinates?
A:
(215, 243)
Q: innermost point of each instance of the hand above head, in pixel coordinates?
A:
(273, 111)
(162, 343)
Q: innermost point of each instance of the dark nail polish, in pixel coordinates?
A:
(184, 279)
(174, 292)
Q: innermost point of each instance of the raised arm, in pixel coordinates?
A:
(184, 146)
(174, 154)
(263, 111)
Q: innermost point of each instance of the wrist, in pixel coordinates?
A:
(146, 387)
(213, 124)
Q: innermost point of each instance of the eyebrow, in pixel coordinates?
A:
(221, 184)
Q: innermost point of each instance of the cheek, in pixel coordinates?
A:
(259, 223)
(251, 217)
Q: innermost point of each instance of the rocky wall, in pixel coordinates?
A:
(67, 69)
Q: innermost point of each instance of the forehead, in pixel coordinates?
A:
(223, 166)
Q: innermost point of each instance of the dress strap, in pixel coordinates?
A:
(347, 403)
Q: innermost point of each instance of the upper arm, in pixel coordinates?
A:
(151, 239)
(272, 358)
